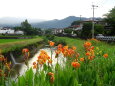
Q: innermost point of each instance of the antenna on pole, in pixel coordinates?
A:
(93, 6)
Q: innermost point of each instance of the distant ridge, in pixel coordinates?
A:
(39, 23)
(58, 23)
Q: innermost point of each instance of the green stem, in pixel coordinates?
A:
(51, 55)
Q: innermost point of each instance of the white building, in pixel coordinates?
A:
(56, 31)
(77, 27)
(19, 32)
(10, 31)
(6, 31)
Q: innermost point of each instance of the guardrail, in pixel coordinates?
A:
(106, 38)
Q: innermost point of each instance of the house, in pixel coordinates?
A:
(57, 31)
(10, 31)
(105, 24)
(18, 32)
(77, 27)
(6, 30)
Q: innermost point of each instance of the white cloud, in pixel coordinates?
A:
(51, 9)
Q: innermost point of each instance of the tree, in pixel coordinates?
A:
(36, 31)
(110, 19)
(69, 30)
(98, 29)
(75, 23)
(86, 30)
(17, 28)
(48, 32)
(26, 27)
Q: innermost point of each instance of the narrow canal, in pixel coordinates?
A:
(22, 68)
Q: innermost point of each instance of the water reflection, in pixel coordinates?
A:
(23, 68)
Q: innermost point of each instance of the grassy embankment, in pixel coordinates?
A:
(7, 45)
(105, 47)
(100, 71)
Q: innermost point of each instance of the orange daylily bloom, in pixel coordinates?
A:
(88, 54)
(48, 57)
(74, 48)
(26, 53)
(51, 74)
(65, 47)
(52, 78)
(92, 47)
(1, 58)
(75, 64)
(82, 59)
(35, 67)
(25, 50)
(90, 57)
(87, 44)
(60, 46)
(70, 52)
(34, 63)
(51, 43)
(105, 55)
(43, 57)
(40, 61)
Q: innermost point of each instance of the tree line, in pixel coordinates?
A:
(28, 29)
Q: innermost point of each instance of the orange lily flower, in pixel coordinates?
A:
(25, 50)
(75, 64)
(51, 43)
(88, 54)
(81, 59)
(105, 55)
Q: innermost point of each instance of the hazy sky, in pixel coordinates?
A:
(53, 9)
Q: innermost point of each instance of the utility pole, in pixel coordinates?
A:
(93, 6)
(80, 17)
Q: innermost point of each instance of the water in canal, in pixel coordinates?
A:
(22, 68)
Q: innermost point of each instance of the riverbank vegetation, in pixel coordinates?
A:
(88, 63)
(7, 45)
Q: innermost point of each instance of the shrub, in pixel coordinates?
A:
(48, 37)
(63, 42)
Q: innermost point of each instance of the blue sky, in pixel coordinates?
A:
(53, 9)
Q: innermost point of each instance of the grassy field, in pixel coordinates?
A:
(11, 44)
(96, 71)
(11, 40)
(105, 47)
